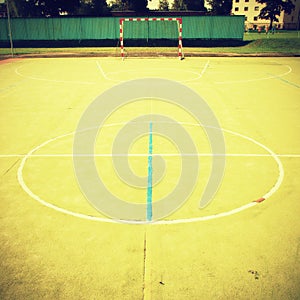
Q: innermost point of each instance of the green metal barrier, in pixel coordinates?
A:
(107, 29)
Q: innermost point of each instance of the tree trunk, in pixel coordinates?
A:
(13, 9)
(271, 23)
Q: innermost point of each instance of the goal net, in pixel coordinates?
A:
(178, 21)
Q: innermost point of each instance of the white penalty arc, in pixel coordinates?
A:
(267, 195)
(109, 75)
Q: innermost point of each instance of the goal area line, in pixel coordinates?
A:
(177, 20)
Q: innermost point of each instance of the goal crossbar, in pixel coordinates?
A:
(179, 24)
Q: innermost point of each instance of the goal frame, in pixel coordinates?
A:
(179, 24)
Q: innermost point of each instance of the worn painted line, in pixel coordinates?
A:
(149, 187)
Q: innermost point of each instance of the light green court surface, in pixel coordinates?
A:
(55, 245)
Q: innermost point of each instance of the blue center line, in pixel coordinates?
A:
(286, 81)
(149, 186)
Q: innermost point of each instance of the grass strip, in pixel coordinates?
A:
(280, 44)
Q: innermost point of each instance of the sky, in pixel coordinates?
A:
(152, 4)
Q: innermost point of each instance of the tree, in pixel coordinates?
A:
(92, 8)
(46, 8)
(179, 5)
(195, 5)
(54, 8)
(163, 5)
(273, 8)
(220, 7)
(120, 5)
(22, 8)
(138, 5)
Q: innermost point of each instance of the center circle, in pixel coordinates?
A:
(84, 164)
(274, 187)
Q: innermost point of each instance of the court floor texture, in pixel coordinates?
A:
(150, 178)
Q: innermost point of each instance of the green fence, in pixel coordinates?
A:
(107, 28)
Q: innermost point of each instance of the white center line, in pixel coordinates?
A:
(154, 154)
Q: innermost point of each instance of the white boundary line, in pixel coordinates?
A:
(106, 75)
(279, 163)
(154, 154)
(103, 73)
(17, 71)
(205, 68)
(189, 220)
(199, 74)
(257, 79)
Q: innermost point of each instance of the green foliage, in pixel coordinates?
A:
(119, 5)
(22, 8)
(54, 8)
(273, 8)
(135, 5)
(220, 7)
(138, 5)
(197, 5)
(92, 8)
(179, 5)
(163, 5)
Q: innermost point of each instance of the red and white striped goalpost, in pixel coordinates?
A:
(179, 24)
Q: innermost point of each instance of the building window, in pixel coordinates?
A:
(237, 1)
(256, 8)
(255, 19)
(246, 0)
(246, 18)
(246, 8)
(236, 9)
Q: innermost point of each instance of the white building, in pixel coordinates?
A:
(251, 10)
